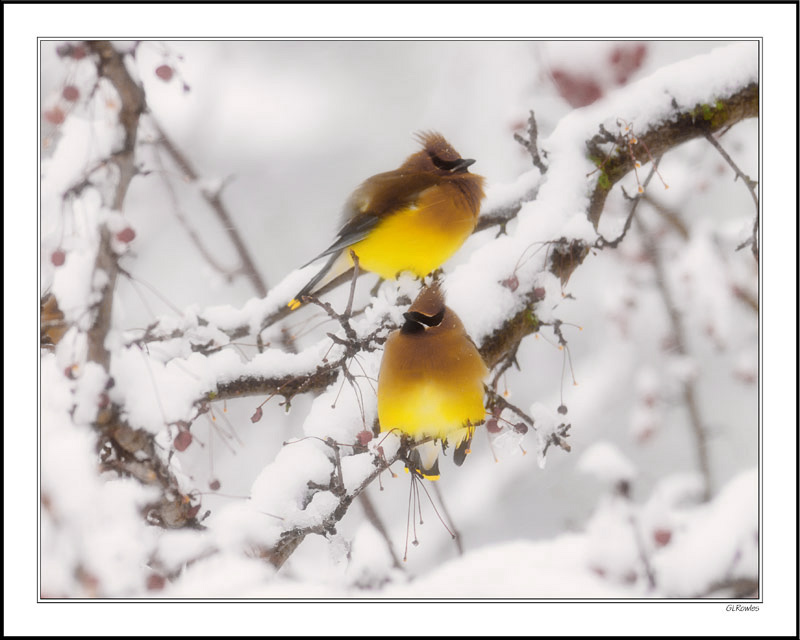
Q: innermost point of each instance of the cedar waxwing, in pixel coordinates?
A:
(410, 219)
(431, 382)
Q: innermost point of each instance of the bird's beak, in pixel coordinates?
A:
(461, 165)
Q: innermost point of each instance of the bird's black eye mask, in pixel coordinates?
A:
(453, 166)
(417, 322)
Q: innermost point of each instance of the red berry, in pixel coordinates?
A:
(155, 582)
(662, 537)
(512, 282)
(492, 426)
(126, 235)
(257, 415)
(70, 93)
(521, 427)
(214, 485)
(364, 437)
(164, 72)
(54, 115)
(58, 257)
(182, 440)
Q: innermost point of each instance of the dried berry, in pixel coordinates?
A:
(54, 116)
(662, 537)
(182, 440)
(155, 582)
(492, 426)
(126, 235)
(70, 93)
(165, 72)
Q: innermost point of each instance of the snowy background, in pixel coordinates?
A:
(293, 127)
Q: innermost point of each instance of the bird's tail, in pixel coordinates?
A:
(462, 447)
(295, 302)
(424, 459)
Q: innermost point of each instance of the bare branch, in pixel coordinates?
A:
(751, 187)
(499, 217)
(190, 231)
(676, 322)
(372, 515)
(602, 243)
(750, 184)
(292, 538)
(214, 199)
(532, 143)
(111, 66)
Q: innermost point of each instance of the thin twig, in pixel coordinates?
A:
(670, 215)
(601, 242)
(750, 184)
(497, 399)
(452, 528)
(213, 198)
(676, 321)
(532, 143)
(356, 272)
(190, 231)
(375, 520)
(751, 187)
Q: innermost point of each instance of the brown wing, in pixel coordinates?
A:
(378, 197)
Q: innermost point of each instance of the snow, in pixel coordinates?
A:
(370, 563)
(222, 575)
(517, 569)
(720, 541)
(607, 463)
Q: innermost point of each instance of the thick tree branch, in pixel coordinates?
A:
(111, 66)
(684, 126)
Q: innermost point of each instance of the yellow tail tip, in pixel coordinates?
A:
(425, 475)
(294, 304)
